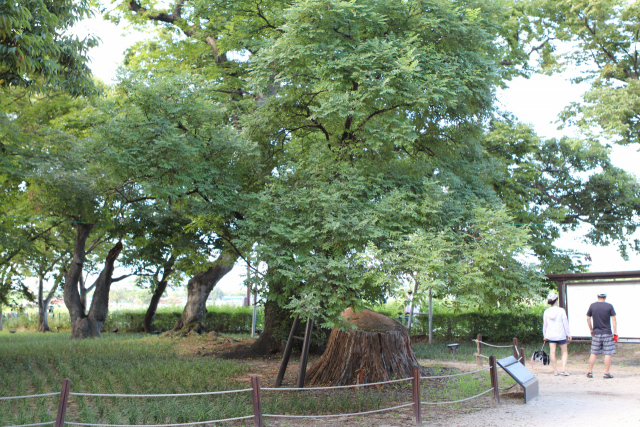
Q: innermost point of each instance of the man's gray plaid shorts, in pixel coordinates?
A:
(603, 344)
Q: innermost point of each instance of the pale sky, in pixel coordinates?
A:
(536, 101)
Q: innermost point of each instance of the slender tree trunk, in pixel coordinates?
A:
(199, 288)
(43, 303)
(161, 286)
(0, 317)
(91, 324)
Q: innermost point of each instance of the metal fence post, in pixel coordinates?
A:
(257, 401)
(493, 375)
(64, 401)
(479, 349)
(515, 348)
(416, 396)
(522, 355)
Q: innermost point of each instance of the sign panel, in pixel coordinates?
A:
(623, 295)
(522, 375)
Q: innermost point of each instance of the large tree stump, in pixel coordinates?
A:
(379, 350)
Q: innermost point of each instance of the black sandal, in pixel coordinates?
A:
(589, 375)
(607, 376)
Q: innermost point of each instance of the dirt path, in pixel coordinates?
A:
(563, 401)
(569, 401)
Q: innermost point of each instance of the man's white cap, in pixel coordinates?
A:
(602, 294)
(553, 297)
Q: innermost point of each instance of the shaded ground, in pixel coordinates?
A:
(563, 401)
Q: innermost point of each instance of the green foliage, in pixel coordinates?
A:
(35, 51)
(223, 319)
(495, 327)
(600, 38)
(556, 185)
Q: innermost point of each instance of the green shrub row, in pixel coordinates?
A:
(494, 327)
(229, 320)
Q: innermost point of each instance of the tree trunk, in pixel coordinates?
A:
(379, 350)
(0, 316)
(90, 325)
(161, 286)
(277, 324)
(43, 304)
(85, 291)
(199, 288)
(72, 276)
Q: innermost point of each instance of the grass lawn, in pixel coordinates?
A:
(32, 363)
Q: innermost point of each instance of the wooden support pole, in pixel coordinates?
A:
(493, 372)
(522, 356)
(561, 293)
(416, 396)
(515, 348)
(256, 396)
(430, 318)
(287, 352)
(479, 349)
(64, 401)
(305, 352)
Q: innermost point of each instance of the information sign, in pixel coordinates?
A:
(522, 375)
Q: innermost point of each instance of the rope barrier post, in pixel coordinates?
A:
(515, 348)
(64, 401)
(522, 356)
(416, 396)
(479, 349)
(256, 396)
(493, 375)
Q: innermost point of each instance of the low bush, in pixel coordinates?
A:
(494, 327)
(224, 319)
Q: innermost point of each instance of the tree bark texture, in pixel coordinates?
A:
(72, 276)
(161, 286)
(83, 325)
(379, 350)
(198, 290)
(43, 304)
(91, 324)
(277, 324)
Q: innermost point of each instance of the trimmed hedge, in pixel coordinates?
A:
(229, 320)
(494, 327)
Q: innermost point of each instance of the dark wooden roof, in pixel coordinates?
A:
(594, 276)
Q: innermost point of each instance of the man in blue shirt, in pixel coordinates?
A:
(602, 341)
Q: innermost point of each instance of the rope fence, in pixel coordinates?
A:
(161, 395)
(352, 414)
(30, 396)
(156, 425)
(518, 352)
(256, 397)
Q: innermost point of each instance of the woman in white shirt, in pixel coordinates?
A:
(556, 331)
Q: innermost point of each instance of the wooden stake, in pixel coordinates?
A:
(257, 401)
(64, 401)
(287, 352)
(494, 380)
(305, 352)
(416, 396)
(479, 349)
(430, 318)
(515, 348)
(522, 355)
